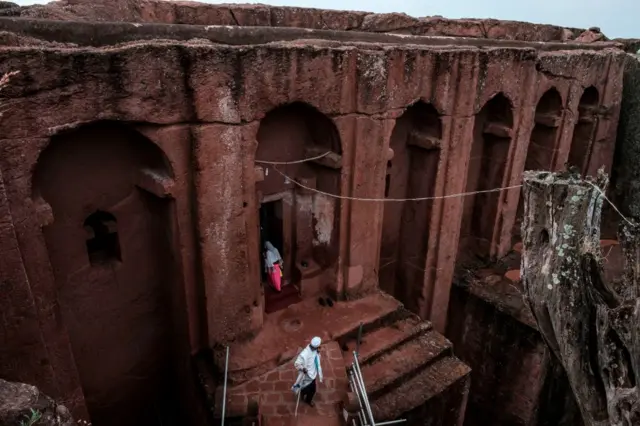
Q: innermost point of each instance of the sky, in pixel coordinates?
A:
(616, 18)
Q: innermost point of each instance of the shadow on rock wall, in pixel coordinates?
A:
(626, 174)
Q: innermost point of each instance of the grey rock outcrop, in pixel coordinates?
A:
(20, 402)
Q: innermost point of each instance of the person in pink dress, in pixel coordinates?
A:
(273, 265)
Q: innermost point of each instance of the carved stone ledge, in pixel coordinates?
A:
(500, 130)
(424, 141)
(332, 160)
(155, 183)
(548, 120)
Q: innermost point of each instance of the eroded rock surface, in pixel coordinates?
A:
(590, 36)
(20, 402)
(198, 13)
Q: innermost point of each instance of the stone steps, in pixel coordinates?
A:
(393, 368)
(338, 323)
(380, 341)
(389, 316)
(405, 364)
(277, 301)
(432, 382)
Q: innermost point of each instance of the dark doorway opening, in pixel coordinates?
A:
(272, 230)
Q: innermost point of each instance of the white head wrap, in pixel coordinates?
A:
(315, 342)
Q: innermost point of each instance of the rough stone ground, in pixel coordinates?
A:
(277, 403)
(293, 327)
(398, 352)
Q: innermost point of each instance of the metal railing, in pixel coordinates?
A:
(224, 392)
(356, 383)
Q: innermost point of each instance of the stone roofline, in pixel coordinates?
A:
(56, 33)
(259, 15)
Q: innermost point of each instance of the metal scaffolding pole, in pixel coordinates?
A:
(358, 376)
(224, 392)
(356, 383)
(353, 385)
(391, 422)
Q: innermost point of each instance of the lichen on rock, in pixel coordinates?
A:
(590, 326)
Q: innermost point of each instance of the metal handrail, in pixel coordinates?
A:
(360, 381)
(224, 392)
(356, 381)
(361, 413)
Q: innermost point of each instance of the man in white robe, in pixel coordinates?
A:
(309, 367)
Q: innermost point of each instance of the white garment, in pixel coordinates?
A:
(272, 255)
(307, 359)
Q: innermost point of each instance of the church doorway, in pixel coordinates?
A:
(272, 230)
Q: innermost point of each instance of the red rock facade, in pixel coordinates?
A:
(130, 190)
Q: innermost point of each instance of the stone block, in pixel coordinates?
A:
(354, 277)
(156, 183)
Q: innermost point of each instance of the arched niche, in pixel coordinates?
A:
(411, 173)
(111, 247)
(492, 136)
(584, 130)
(303, 224)
(542, 149)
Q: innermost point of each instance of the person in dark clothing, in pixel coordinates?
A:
(307, 393)
(309, 367)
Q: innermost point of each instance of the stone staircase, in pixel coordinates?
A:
(276, 301)
(408, 367)
(285, 332)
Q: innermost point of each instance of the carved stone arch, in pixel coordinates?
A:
(302, 223)
(543, 143)
(492, 137)
(111, 244)
(584, 131)
(411, 173)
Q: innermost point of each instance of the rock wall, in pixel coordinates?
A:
(36, 32)
(626, 177)
(631, 45)
(515, 381)
(193, 13)
(20, 403)
(201, 105)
